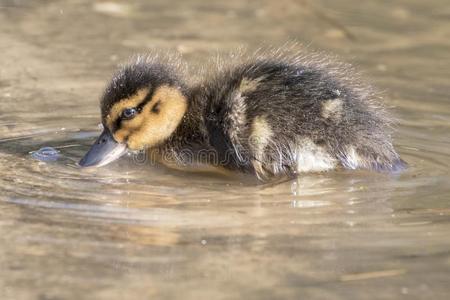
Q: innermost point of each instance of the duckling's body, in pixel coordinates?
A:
(268, 115)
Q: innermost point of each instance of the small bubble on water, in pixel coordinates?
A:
(46, 154)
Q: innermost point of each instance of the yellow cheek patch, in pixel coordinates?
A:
(127, 127)
(117, 108)
(134, 123)
(121, 135)
(155, 127)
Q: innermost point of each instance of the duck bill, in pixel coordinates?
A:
(104, 150)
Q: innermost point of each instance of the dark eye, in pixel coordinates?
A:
(128, 113)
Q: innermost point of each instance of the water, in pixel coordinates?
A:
(46, 154)
(131, 231)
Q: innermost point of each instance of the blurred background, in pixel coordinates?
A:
(139, 232)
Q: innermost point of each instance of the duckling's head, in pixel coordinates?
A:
(142, 106)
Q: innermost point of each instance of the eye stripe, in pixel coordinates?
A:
(155, 108)
(129, 113)
(146, 100)
(139, 107)
(116, 125)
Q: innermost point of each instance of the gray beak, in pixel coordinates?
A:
(104, 150)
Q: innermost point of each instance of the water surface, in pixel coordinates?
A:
(131, 231)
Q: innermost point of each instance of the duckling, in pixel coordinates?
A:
(269, 114)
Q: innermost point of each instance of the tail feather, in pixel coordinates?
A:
(395, 166)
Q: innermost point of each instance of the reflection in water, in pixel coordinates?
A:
(135, 231)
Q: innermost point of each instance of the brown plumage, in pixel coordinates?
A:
(269, 113)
